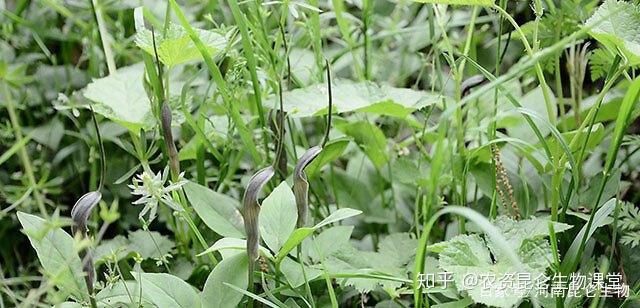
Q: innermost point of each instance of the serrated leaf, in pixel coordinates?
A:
(467, 256)
(150, 244)
(121, 98)
(471, 255)
(618, 31)
(166, 290)
(278, 216)
(354, 96)
(517, 231)
(398, 247)
(219, 212)
(176, 47)
(57, 254)
(118, 246)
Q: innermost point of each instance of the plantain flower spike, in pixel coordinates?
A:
(251, 210)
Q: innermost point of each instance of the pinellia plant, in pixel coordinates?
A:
(431, 153)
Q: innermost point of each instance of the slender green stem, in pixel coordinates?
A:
(551, 112)
(27, 166)
(102, 30)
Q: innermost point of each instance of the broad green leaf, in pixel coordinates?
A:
(301, 233)
(57, 254)
(176, 47)
(293, 273)
(369, 138)
(117, 246)
(517, 231)
(400, 248)
(229, 246)
(468, 256)
(394, 253)
(327, 242)
(354, 96)
(122, 292)
(150, 244)
(619, 31)
(121, 97)
(233, 270)
(330, 152)
(471, 255)
(595, 137)
(600, 218)
(166, 290)
(531, 101)
(278, 216)
(459, 2)
(336, 216)
(219, 212)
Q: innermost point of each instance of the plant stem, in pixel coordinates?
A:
(22, 152)
(102, 30)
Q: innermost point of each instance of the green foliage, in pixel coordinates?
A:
(466, 255)
(121, 97)
(166, 290)
(350, 96)
(150, 244)
(618, 32)
(219, 212)
(460, 2)
(444, 116)
(232, 270)
(630, 224)
(278, 216)
(174, 45)
(57, 254)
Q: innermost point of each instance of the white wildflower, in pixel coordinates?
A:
(152, 191)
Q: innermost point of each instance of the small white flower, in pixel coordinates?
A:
(152, 191)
